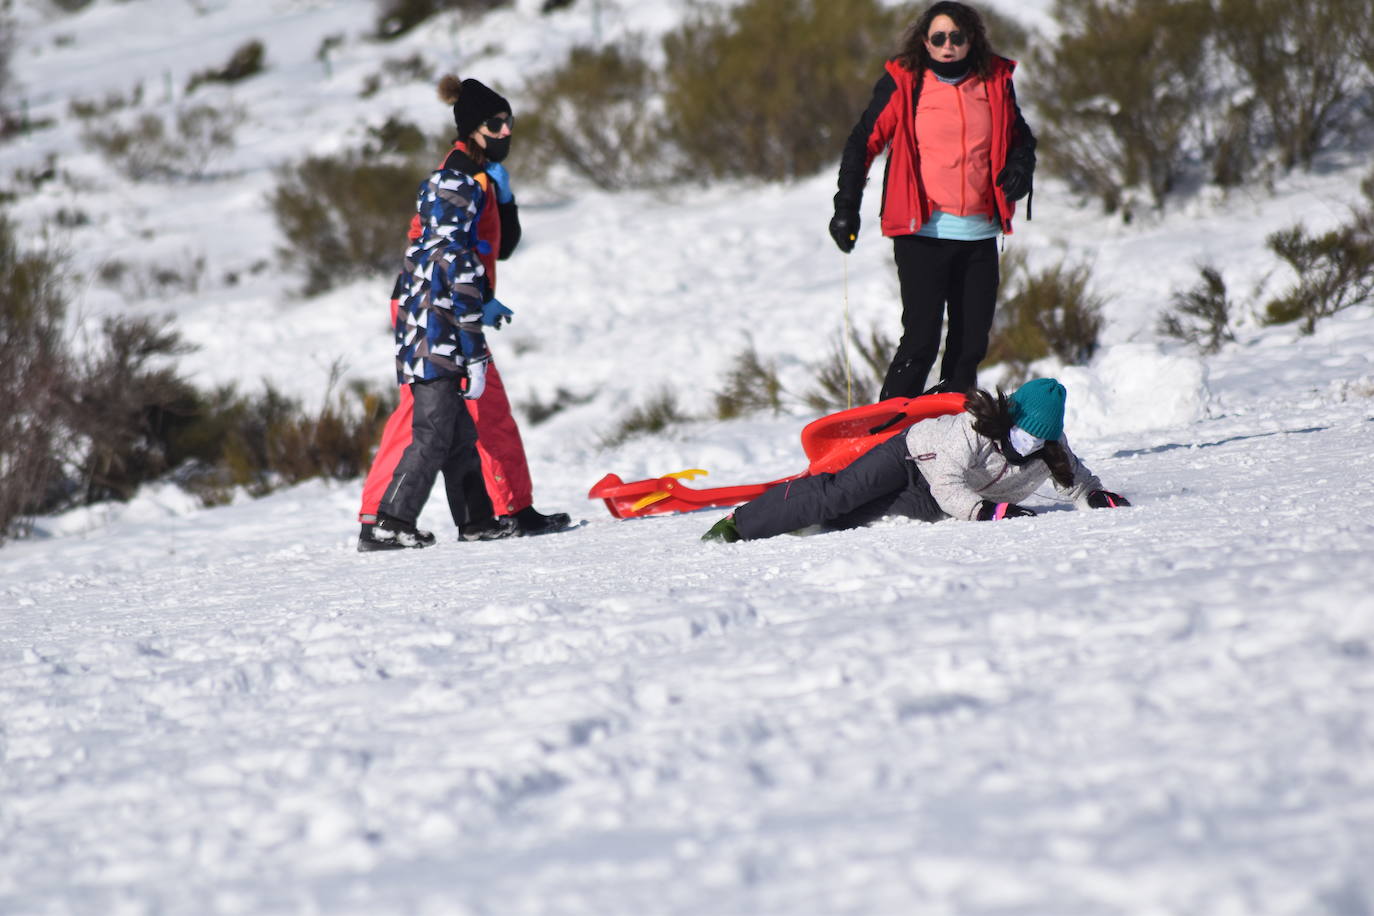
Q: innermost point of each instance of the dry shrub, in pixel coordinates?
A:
(396, 17)
(1050, 313)
(268, 441)
(1008, 36)
(334, 237)
(247, 60)
(147, 147)
(1154, 94)
(34, 370)
(537, 411)
(595, 115)
(337, 441)
(397, 137)
(1300, 63)
(1363, 12)
(752, 384)
(1122, 95)
(125, 406)
(771, 88)
(398, 71)
(7, 34)
(1201, 316)
(78, 430)
(1335, 271)
(843, 380)
(656, 414)
(764, 89)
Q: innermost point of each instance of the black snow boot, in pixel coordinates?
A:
(392, 534)
(491, 529)
(530, 521)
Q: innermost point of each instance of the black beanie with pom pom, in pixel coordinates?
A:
(473, 102)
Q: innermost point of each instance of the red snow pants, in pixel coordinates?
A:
(505, 470)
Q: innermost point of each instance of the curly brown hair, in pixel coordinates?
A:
(913, 55)
(992, 419)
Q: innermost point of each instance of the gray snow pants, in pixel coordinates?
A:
(882, 481)
(443, 439)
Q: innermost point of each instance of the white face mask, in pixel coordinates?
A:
(1024, 443)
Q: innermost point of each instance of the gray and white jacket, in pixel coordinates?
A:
(964, 468)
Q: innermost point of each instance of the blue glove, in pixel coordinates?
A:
(493, 313)
(501, 178)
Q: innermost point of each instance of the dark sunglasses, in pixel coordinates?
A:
(494, 124)
(956, 38)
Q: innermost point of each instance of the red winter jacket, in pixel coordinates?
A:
(889, 123)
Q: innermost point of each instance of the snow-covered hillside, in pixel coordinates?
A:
(1161, 710)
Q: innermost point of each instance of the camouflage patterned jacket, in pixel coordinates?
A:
(443, 284)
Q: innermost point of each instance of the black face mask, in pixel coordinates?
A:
(950, 69)
(497, 148)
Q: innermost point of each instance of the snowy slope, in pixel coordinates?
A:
(1165, 710)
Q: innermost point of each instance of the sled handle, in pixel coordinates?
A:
(896, 418)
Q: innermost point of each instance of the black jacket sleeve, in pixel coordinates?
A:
(854, 159)
(1022, 151)
(1021, 154)
(510, 229)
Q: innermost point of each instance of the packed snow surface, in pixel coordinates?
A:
(1167, 709)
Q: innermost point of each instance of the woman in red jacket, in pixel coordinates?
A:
(959, 156)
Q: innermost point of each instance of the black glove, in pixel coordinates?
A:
(989, 511)
(844, 229)
(1106, 499)
(1015, 181)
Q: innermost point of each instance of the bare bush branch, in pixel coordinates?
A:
(1201, 316)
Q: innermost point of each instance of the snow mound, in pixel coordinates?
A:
(1132, 388)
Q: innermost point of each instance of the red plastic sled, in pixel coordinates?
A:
(830, 443)
(657, 495)
(834, 441)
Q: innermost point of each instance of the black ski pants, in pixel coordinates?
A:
(882, 481)
(443, 440)
(935, 273)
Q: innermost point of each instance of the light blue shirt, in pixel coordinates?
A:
(942, 225)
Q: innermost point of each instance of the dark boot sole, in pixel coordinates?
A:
(559, 521)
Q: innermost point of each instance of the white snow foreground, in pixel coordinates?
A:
(1164, 709)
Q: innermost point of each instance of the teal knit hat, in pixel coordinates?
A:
(1038, 408)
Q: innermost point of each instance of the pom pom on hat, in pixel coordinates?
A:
(1038, 408)
(449, 88)
(473, 102)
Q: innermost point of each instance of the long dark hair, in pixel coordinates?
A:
(913, 54)
(992, 419)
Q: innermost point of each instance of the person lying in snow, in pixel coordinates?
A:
(973, 465)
